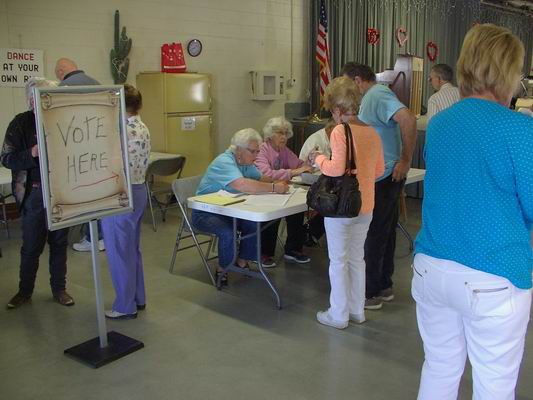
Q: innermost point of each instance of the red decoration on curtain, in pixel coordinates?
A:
(172, 59)
(401, 35)
(372, 36)
(432, 51)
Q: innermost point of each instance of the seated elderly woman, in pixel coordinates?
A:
(278, 162)
(234, 171)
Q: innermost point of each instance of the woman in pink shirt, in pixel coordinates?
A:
(346, 236)
(278, 162)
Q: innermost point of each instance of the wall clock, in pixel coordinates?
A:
(194, 48)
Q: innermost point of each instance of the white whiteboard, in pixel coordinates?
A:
(82, 154)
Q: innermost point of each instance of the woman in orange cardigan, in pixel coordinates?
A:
(346, 236)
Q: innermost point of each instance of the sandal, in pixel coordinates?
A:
(246, 267)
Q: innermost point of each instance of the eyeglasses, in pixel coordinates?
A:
(253, 151)
(281, 133)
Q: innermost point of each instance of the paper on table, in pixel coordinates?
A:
(225, 193)
(271, 199)
(215, 198)
(268, 199)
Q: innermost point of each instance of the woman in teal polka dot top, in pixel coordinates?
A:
(472, 268)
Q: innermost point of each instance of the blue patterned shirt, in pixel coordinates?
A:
(478, 193)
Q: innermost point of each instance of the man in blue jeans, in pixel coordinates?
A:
(68, 73)
(20, 154)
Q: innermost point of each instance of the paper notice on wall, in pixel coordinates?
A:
(188, 124)
(19, 65)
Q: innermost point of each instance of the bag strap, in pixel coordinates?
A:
(350, 149)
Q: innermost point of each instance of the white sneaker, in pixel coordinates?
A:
(325, 319)
(112, 314)
(85, 245)
(358, 318)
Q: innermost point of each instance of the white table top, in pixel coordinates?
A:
(415, 175)
(256, 213)
(422, 123)
(261, 213)
(154, 156)
(5, 176)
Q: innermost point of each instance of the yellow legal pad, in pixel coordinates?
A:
(218, 200)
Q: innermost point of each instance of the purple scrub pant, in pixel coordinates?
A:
(122, 237)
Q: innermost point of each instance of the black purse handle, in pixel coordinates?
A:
(350, 150)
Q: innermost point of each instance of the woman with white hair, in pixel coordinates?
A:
(234, 171)
(20, 154)
(278, 162)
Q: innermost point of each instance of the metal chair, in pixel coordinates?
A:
(183, 189)
(4, 220)
(162, 167)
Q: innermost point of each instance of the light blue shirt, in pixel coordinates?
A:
(222, 171)
(378, 106)
(478, 189)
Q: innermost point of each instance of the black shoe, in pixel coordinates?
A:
(223, 279)
(141, 307)
(296, 257)
(63, 298)
(18, 300)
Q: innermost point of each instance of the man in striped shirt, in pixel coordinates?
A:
(446, 94)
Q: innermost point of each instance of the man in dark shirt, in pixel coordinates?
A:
(20, 154)
(68, 73)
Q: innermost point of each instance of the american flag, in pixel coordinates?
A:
(322, 49)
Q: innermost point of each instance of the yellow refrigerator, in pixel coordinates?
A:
(177, 110)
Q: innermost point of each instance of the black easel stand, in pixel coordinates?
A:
(107, 347)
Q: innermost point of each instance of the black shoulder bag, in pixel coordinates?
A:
(338, 197)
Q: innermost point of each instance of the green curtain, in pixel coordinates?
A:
(444, 22)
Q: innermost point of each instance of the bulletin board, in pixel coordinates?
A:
(82, 153)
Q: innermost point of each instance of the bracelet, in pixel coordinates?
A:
(273, 191)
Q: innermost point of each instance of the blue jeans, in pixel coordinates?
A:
(35, 234)
(223, 227)
(87, 232)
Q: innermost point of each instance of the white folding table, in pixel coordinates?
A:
(258, 214)
(264, 213)
(5, 179)
(414, 175)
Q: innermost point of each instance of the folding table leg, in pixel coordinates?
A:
(407, 235)
(259, 264)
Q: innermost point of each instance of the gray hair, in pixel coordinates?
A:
(444, 71)
(243, 138)
(276, 124)
(34, 82)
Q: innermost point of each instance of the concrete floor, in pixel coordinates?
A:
(204, 344)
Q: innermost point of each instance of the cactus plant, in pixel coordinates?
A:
(120, 62)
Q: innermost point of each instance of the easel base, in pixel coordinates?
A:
(92, 354)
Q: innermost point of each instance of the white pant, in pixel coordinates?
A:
(463, 311)
(346, 247)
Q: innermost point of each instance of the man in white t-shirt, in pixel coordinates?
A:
(446, 94)
(318, 141)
